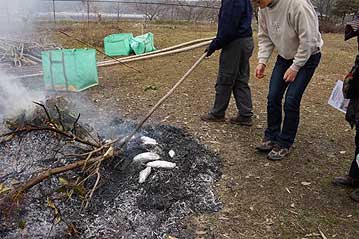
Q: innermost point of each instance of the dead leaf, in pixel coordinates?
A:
(3, 189)
(22, 224)
(72, 230)
(57, 216)
(63, 181)
(200, 233)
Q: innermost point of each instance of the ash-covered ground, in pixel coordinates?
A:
(120, 207)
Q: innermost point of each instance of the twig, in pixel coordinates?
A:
(43, 106)
(322, 234)
(37, 128)
(75, 123)
(60, 118)
(95, 186)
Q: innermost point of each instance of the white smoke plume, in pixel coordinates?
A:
(17, 21)
(15, 98)
(17, 16)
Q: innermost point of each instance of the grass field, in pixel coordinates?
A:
(262, 199)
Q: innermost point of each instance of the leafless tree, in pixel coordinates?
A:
(206, 10)
(151, 11)
(324, 7)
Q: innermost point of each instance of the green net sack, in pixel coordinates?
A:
(69, 69)
(118, 44)
(143, 43)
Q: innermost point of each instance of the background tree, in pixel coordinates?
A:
(151, 11)
(343, 8)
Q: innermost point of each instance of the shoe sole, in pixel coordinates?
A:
(216, 121)
(354, 196)
(345, 185)
(277, 159)
(263, 150)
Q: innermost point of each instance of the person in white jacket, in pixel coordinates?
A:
(290, 26)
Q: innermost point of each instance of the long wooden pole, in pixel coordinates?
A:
(159, 103)
(140, 57)
(161, 50)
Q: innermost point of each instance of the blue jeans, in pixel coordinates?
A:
(354, 169)
(284, 135)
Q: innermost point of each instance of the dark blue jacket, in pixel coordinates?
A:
(234, 21)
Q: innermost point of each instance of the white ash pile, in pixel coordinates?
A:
(165, 175)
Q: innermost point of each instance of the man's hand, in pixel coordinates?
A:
(209, 51)
(290, 75)
(260, 70)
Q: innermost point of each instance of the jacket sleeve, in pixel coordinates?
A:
(305, 23)
(265, 44)
(228, 22)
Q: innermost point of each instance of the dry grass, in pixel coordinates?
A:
(261, 199)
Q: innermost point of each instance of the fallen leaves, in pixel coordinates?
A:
(57, 216)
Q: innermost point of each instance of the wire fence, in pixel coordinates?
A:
(100, 10)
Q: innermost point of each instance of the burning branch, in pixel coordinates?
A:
(90, 165)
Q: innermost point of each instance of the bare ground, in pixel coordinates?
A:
(262, 199)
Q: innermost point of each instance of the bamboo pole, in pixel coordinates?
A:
(161, 50)
(155, 55)
(159, 103)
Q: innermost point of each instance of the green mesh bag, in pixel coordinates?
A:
(143, 43)
(118, 44)
(69, 69)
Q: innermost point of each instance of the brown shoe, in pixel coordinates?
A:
(278, 153)
(211, 118)
(346, 181)
(355, 195)
(241, 120)
(266, 146)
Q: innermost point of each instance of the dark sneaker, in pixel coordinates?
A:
(266, 146)
(242, 120)
(278, 153)
(355, 195)
(346, 181)
(211, 118)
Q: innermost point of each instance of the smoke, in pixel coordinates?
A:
(17, 19)
(17, 16)
(15, 98)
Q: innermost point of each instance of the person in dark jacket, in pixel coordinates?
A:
(351, 91)
(234, 37)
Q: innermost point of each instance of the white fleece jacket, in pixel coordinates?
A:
(292, 27)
